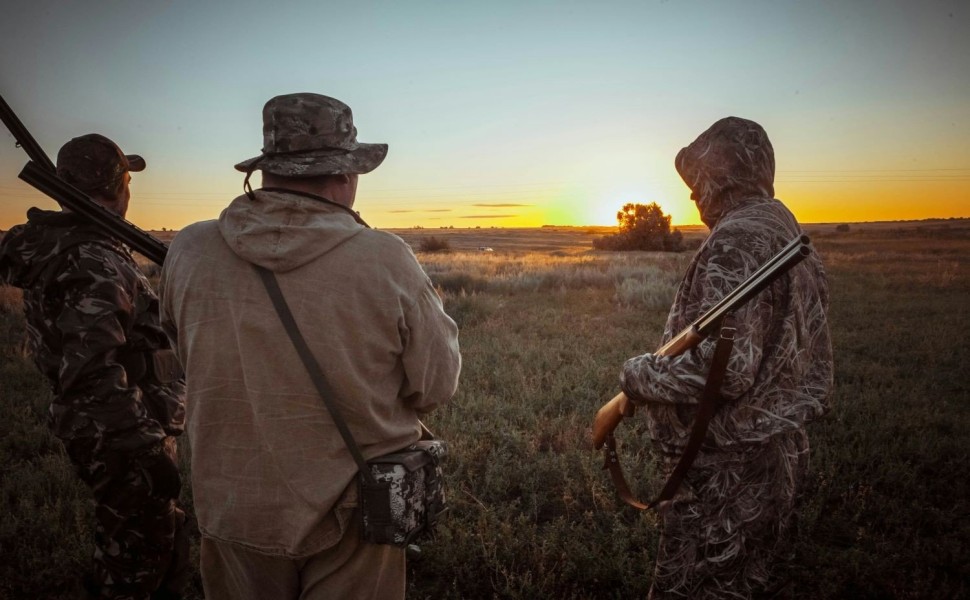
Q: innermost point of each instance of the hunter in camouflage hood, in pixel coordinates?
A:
(731, 161)
(728, 528)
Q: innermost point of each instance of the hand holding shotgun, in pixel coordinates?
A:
(610, 415)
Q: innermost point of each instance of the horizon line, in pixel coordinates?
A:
(686, 226)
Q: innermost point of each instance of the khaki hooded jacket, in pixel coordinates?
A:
(269, 468)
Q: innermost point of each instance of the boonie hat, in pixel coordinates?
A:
(306, 134)
(92, 161)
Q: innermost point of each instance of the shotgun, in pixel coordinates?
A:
(609, 416)
(40, 173)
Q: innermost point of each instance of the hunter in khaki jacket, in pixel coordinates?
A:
(270, 472)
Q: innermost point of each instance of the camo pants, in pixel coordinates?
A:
(140, 542)
(729, 535)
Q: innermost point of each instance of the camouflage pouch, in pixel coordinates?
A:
(406, 497)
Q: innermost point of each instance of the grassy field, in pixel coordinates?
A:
(545, 324)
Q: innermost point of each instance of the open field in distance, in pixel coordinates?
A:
(545, 325)
(578, 239)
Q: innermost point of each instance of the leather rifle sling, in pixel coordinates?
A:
(710, 402)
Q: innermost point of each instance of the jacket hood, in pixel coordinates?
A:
(26, 250)
(730, 162)
(282, 230)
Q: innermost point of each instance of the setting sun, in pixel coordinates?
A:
(520, 123)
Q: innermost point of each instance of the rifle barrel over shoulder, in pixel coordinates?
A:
(41, 173)
(794, 252)
(76, 200)
(23, 137)
(609, 416)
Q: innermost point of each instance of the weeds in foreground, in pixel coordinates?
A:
(534, 516)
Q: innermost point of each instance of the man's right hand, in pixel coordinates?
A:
(609, 416)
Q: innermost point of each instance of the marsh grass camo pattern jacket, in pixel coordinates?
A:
(779, 376)
(728, 530)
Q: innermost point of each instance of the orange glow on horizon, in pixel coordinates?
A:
(856, 203)
(828, 202)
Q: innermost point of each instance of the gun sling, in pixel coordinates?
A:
(711, 400)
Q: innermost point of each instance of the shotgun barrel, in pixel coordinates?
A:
(79, 202)
(610, 415)
(41, 173)
(796, 250)
(23, 137)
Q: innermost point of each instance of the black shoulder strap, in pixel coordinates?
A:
(710, 402)
(312, 366)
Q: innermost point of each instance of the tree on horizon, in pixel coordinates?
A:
(642, 227)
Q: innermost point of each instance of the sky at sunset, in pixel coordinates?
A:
(510, 114)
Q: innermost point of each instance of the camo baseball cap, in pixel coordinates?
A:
(92, 161)
(309, 134)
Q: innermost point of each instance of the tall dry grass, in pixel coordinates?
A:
(534, 516)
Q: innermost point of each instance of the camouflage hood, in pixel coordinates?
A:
(282, 230)
(26, 250)
(727, 164)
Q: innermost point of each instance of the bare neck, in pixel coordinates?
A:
(338, 189)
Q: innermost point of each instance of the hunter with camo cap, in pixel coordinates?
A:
(93, 331)
(273, 482)
(727, 533)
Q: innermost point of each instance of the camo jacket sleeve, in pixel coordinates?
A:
(97, 289)
(779, 375)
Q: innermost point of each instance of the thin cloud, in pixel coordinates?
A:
(488, 216)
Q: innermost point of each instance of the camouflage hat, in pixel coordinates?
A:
(308, 134)
(93, 161)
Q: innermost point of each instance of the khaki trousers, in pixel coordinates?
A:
(351, 570)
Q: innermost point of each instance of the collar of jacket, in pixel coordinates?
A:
(353, 213)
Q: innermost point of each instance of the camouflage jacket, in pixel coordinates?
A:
(92, 319)
(779, 376)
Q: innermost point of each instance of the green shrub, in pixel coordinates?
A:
(642, 227)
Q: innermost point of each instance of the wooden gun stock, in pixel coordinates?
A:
(609, 416)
